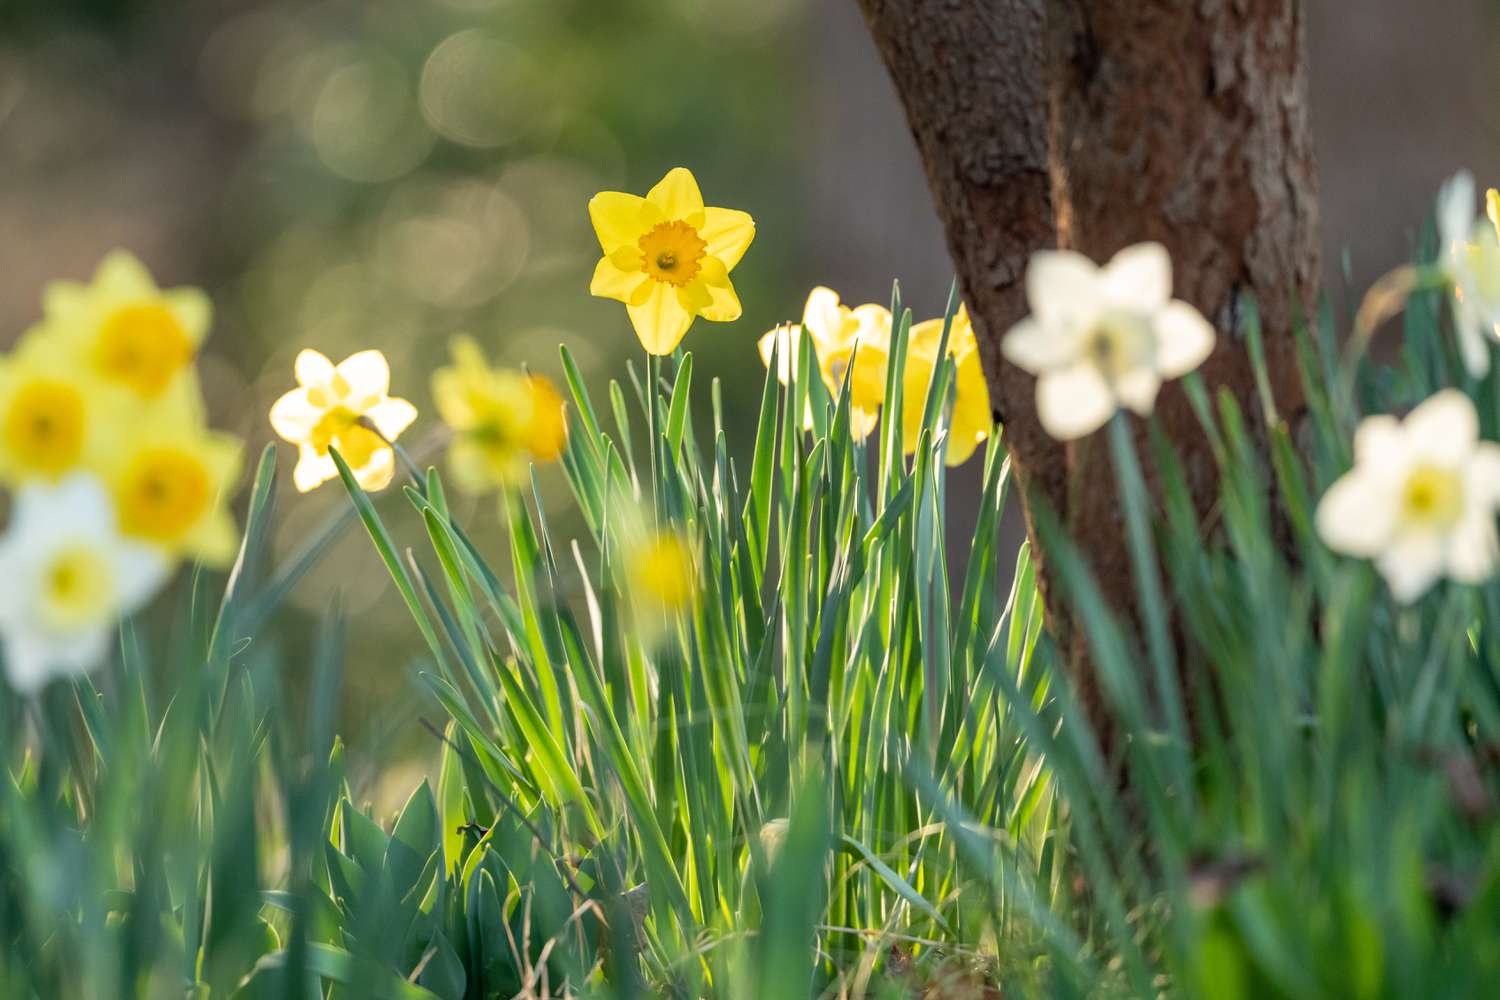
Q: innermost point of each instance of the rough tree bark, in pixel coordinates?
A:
(1095, 124)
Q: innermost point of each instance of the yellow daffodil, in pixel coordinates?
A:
(125, 329)
(661, 572)
(839, 334)
(668, 258)
(972, 418)
(501, 420)
(55, 417)
(346, 406)
(170, 482)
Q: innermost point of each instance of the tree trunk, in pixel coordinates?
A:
(1095, 124)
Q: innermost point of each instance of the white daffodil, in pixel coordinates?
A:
(1101, 338)
(1471, 259)
(69, 577)
(1420, 499)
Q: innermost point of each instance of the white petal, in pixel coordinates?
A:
(1074, 401)
(783, 343)
(377, 473)
(821, 316)
(1137, 390)
(1482, 481)
(80, 652)
(1455, 209)
(1357, 515)
(1473, 547)
(1411, 565)
(312, 469)
(140, 572)
(368, 374)
(1062, 287)
(1035, 348)
(1138, 278)
(873, 324)
(1442, 429)
(391, 416)
(312, 368)
(1184, 339)
(1473, 345)
(28, 661)
(293, 416)
(77, 506)
(1380, 444)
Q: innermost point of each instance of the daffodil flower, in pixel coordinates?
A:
(125, 329)
(69, 577)
(668, 257)
(501, 420)
(330, 407)
(1421, 497)
(171, 478)
(55, 416)
(972, 418)
(661, 572)
(1101, 338)
(1471, 261)
(839, 335)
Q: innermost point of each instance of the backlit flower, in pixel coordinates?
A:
(170, 480)
(1101, 338)
(668, 258)
(342, 406)
(972, 418)
(69, 577)
(502, 420)
(1421, 497)
(55, 417)
(1471, 259)
(126, 330)
(661, 572)
(839, 334)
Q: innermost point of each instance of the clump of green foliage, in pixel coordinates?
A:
(844, 767)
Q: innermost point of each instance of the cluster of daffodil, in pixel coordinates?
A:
(501, 420)
(113, 473)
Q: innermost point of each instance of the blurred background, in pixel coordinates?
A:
(351, 173)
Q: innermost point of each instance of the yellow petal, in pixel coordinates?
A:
(660, 321)
(312, 368)
(914, 385)
(613, 282)
(368, 375)
(695, 296)
(725, 304)
(972, 416)
(728, 233)
(193, 311)
(867, 381)
(677, 197)
(620, 219)
(122, 275)
(377, 473)
(547, 431)
(216, 540)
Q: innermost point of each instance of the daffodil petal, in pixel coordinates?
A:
(1380, 444)
(1184, 339)
(1473, 345)
(367, 373)
(677, 197)
(1073, 402)
(724, 304)
(1357, 515)
(620, 219)
(1138, 278)
(377, 473)
(612, 282)
(1483, 480)
(1455, 209)
(293, 417)
(782, 343)
(121, 274)
(1443, 428)
(659, 320)
(1411, 565)
(1033, 347)
(312, 469)
(821, 316)
(1062, 287)
(1473, 546)
(312, 368)
(391, 416)
(728, 233)
(695, 296)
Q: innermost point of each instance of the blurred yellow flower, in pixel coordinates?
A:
(972, 418)
(124, 328)
(668, 258)
(661, 572)
(501, 419)
(171, 480)
(54, 416)
(337, 406)
(838, 334)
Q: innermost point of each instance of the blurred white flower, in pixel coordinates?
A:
(1101, 338)
(1420, 499)
(1471, 259)
(69, 577)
